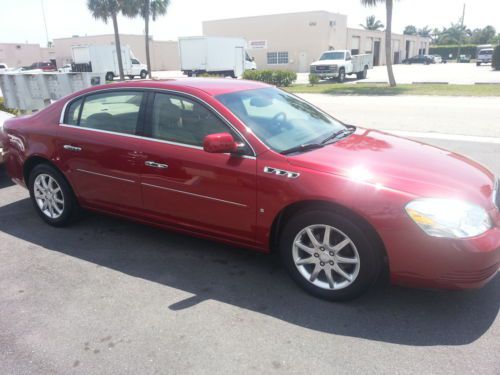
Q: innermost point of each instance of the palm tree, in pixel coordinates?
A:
(372, 24)
(147, 9)
(104, 10)
(388, 35)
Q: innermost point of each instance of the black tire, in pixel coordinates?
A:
(341, 77)
(369, 255)
(363, 74)
(131, 77)
(478, 63)
(71, 208)
(110, 76)
(144, 74)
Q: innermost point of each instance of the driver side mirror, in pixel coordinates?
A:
(219, 143)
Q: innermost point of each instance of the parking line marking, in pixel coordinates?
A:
(450, 137)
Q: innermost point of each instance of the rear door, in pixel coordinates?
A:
(97, 145)
(184, 185)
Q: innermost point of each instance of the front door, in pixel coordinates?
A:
(97, 149)
(184, 185)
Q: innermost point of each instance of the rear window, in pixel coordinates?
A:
(111, 111)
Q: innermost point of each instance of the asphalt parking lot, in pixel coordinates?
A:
(111, 296)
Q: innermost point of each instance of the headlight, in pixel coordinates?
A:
(448, 218)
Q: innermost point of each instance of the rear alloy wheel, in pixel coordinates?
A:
(144, 74)
(51, 195)
(329, 255)
(110, 76)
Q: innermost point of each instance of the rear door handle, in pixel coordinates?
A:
(72, 148)
(154, 164)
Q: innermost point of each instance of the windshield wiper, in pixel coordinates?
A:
(342, 132)
(301, 148)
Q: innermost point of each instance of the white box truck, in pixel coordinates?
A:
(103, 59)
(338, 63)
(214, 55)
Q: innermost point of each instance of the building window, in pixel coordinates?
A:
(276, 58)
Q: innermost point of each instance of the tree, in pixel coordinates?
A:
(410, 30)
(372, 24)
(484, 35)
(424, 32)
(147, 9)
(104, 10)
(388, 35)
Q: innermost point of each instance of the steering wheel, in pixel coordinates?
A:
(279, 118)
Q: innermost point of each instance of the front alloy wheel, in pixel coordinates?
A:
(330, 255)
(326, 257)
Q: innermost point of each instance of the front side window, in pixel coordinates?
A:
(282, 121)
(181, 120)
(111, 111)
(135, 61)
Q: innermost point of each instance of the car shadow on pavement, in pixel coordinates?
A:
(5, 181)
(212, 271)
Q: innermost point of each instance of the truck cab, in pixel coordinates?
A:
(484, 56)
(338, 63)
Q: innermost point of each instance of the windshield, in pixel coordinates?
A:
(486, 52)
(282, 121)
(332, 56)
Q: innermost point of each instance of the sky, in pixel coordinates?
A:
(22, 21)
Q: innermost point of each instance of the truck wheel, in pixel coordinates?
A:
(341, 77)
(144, 74)
(363, 74)
(110, 76)
(478, 63)
(131, 77)
(231, 74)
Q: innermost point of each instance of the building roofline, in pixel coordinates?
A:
(274, 14)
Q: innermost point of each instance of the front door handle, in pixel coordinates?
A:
(154, 164)
(72, 148)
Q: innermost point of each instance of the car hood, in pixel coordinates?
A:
(327, 62)
(398, 163)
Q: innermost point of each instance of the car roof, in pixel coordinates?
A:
(211, 86)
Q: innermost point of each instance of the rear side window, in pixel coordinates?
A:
(112, 111)
(73, 112)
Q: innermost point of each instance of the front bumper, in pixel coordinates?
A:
(431, 262)
(326, 74)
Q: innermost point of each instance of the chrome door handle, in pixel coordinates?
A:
(72, 148)
(154, 164)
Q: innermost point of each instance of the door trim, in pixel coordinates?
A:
(195, 195)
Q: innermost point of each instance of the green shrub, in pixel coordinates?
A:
(281, 78)
(3, 108)
(496, 58)
(313, 79)
(445, 51)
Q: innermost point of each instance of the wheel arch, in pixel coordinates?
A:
(292, 209)
(35, 160)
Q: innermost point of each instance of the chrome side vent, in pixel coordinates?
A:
(281, 172)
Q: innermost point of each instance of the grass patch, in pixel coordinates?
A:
(407, 89)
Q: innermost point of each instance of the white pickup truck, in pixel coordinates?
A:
(338, 63)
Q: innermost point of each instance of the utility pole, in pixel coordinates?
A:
(460, 37)
(45, 23)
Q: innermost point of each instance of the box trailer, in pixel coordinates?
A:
(103, 59)
(214, 55)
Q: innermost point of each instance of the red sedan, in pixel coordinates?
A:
(251, 165)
